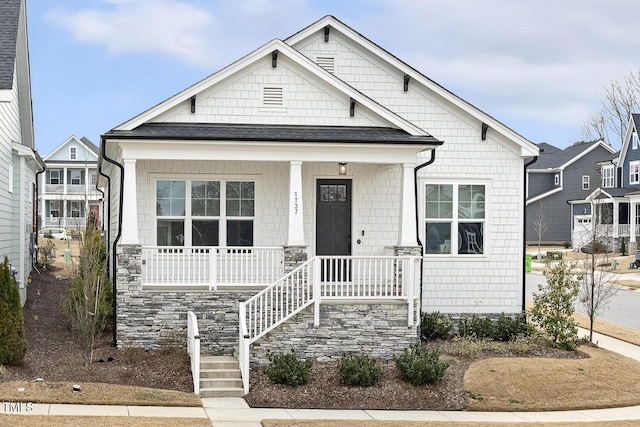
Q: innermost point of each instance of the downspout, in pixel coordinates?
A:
(415, 188)
(44, 168)
(106, 239)
(524, 235)
(114, 264)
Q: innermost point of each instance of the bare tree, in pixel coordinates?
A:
(618, 100)
(595, 281)
(540, 225)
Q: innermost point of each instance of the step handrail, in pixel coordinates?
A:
(193, 349)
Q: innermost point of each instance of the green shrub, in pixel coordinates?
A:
(471, 347)
(508, 328)
(476, 327)
(13, 342)
(435, 325)
(359, 370)
(46, 253)
(420, 366)
(286, 368)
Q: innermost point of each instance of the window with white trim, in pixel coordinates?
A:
(556, 179)
(205, 213)
(53, 208)
(585, 182)
(608, 176)
(75, 209)
(92, 179)
(54, 176)
(454, 219)
(73, 153)
(634, 172)
(634, 140)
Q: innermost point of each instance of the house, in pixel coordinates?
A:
(556, 178)
(19, 162)
(616, 201)
(68, 187)
(291, 195)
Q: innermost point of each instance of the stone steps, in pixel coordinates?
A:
(220, 377)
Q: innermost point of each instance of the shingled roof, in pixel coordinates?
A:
(553, 157)
(10, 15)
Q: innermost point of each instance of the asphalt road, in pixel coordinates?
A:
(623, 309)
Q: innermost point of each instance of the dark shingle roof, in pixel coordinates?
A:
(285, 133)
(89, 144)
(553, 157)
(9, 16)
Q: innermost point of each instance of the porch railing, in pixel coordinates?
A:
(193, 349)
(211, 266)
(325, 278)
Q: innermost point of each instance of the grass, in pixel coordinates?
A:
(88, 421)
(367, 423)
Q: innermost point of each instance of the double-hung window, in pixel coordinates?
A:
(608, 178)
(454, 219)
(205, 213)
(634, 172)
(585, 182)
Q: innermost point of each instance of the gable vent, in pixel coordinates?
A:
(272, 96)
(326, 62)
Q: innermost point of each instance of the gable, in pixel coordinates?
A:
(397, 86)
(83, 152)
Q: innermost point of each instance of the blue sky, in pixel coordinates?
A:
(538, 67)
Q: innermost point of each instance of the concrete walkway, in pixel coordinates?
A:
(234, 412)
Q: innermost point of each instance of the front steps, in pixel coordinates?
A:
(220, 377)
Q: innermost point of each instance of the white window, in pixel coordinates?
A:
(73, 153)
(93, 179)
(556, 179)
(608, 177)
(54, 176)
(54, 208)
(585, 182)
(634, 140)
(454, 219)
(76, 210)
(205, 213)
(634, 175)
(76, 177)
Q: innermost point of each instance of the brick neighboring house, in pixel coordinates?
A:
(19, 162)
(291, 199)
(557, 179)
(68, 187)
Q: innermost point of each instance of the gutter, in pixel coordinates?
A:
(114, 264)
(37, 213)
(415, 188)
(524, 235)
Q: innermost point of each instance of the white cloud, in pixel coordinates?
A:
(168, 27)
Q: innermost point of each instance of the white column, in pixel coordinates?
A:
(616, 218)
(632, 231)
(129, 204)
(295, 236)
(407, 229)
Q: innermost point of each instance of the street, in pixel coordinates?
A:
(623, 309)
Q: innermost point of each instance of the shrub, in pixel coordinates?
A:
(420, 366)
(359, 370)
(286, 368)
(553, 306)
(508, 328)
(566, 245)
(46, 253)
(476, 327)
(435, 325)
(13, 342)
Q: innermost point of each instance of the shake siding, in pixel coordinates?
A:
(493, 282)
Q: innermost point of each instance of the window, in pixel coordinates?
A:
(454, 219)
(54, 176)
(54, 208)
(73, 153)
(93, 179)
(608, 177)
(75, 177)
(556, 179)
(634, 140)
(205, 213)
(76, 209)
(634, 175)
(585, 182)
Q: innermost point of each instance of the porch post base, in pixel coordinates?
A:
(633, 247)
(294, 256)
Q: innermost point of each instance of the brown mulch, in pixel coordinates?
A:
(53, 353)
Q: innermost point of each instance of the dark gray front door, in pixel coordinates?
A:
(333, 224)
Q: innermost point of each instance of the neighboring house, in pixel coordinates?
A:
(68, 187)
(616, 202)
(556, 178)
(291, 195)
(19, 163)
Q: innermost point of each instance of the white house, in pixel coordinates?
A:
(317, 194)
(68, 187)
(19, 163)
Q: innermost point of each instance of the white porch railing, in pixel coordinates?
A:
(193, 349)
(325, 278)
(211, 266)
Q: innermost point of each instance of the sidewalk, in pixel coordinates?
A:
(228, 412)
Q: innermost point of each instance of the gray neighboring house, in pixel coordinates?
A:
(19, 163)
(558, 177)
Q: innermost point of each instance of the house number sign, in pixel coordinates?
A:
(295, 202)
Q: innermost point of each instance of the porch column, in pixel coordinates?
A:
(295, 236)
(632, 231)
(129, 204)
(616, 218)
(407, 229)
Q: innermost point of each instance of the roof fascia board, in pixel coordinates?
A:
(72, 138)
(256, 55)
(587, 151)
(527, 148)
(544, 195)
